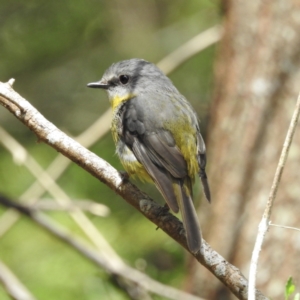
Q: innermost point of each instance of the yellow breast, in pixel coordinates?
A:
(127, 158)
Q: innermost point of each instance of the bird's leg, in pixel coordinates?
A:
(125, 177)
(165, 209)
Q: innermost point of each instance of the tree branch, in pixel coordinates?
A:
(103, 171)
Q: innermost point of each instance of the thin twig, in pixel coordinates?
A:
(283, 226)
(264, 223)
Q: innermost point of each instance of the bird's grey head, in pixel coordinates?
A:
(132, 77)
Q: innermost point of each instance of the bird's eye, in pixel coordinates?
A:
(124, 79)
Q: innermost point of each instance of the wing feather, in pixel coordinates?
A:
(165, 154)
(160, 177)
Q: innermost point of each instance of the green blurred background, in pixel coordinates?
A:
(53, 49)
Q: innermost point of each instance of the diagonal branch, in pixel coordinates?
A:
(103, 171)
(190, 48)
(12, 284)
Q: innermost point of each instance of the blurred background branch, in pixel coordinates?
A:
(12, 285)
(115, 268)
(83, 204)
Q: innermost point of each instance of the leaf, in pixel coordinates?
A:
(297, 296)
(289, 288)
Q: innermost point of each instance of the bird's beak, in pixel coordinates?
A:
(99, 85)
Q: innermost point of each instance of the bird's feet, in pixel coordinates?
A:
(125, 177)
(165, 209)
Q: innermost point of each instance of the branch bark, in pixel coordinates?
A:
(51, 135)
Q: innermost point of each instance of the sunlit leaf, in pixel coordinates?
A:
(289, 288)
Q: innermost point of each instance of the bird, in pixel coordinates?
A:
(157, 136)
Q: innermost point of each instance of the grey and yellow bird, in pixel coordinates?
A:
(157, 136)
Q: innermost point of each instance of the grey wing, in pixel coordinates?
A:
(156, 150)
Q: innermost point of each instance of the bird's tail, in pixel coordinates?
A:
(189, 217)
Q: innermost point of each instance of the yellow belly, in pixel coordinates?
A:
(131, 165)
(136, 169)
